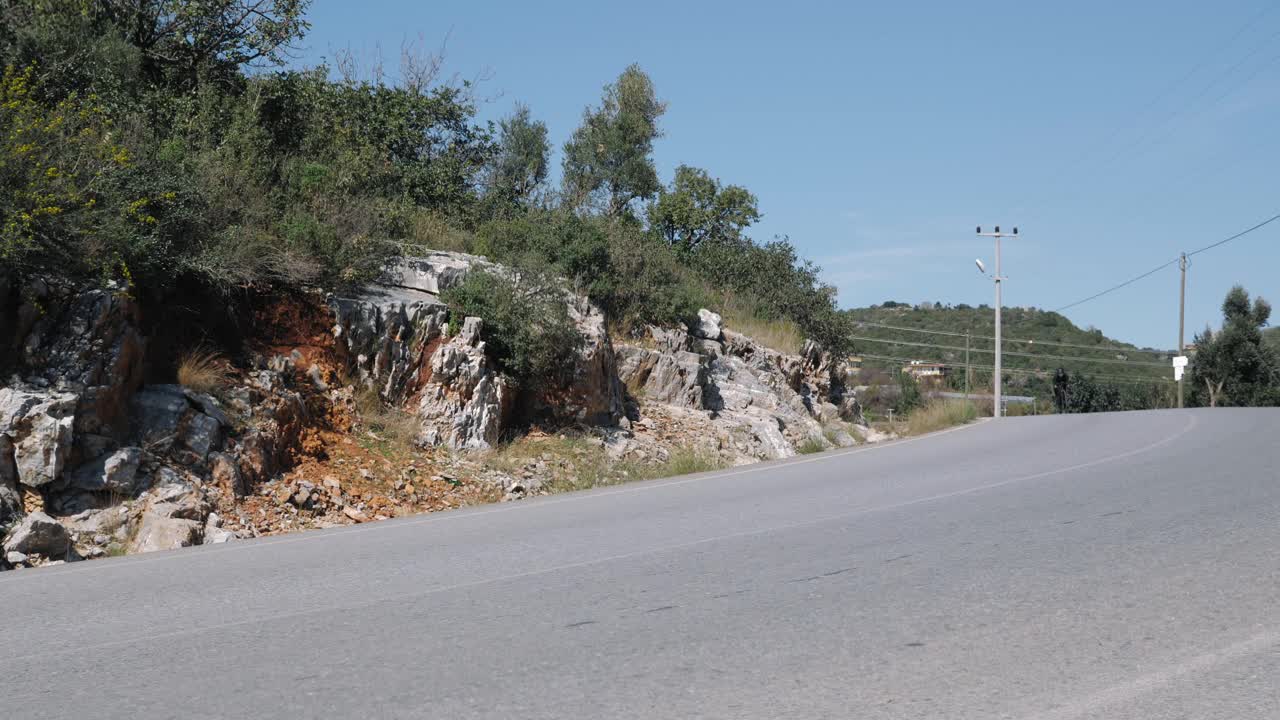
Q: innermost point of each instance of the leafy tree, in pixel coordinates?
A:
(61, 207)
(1234, 366)
(135, 44)
(519, 166)
(607, 161)
(696, 209)
(909, 396)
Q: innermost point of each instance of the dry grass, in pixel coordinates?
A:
(938, 415)
(571, 462)
(810, 446)
(203, 370)
(740, 315)
(428, 230)
(686, 461)
(388, 430)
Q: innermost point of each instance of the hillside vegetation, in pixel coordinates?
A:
(1037, 344)
(165, 146)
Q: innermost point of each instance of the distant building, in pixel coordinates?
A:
(920, 369)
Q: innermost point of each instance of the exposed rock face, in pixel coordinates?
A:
(392, 334)
(92, 462)
(10, 495)
(763, 403)
(435, 272)
(86, 343)
(677, 377)
(593, 395)
(467, 403)
(385, 334)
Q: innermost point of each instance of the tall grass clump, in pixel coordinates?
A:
(203, 370)
(940, 414)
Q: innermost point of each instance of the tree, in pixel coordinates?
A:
(909, 396)
(696, 208)
(1235, 366)
(181, 40)
(607, 161)
(175, 43)
(519, 166)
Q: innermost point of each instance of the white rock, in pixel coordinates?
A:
(709, 325)
(39, 426)
(157, 532)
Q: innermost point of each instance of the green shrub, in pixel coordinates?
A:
(527, 328)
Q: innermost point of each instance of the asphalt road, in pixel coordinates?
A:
(1101, 566)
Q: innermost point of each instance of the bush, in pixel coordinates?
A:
(909, 397)
(527, 329)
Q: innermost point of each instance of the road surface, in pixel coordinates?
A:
(1090, 566)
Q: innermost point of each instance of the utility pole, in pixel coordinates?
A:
(1182, 317)
(997, 412)
(966, 366)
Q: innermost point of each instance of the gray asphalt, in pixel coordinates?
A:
(1088, 566)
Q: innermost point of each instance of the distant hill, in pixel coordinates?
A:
(1036, 343)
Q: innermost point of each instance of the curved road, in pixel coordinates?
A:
(1088, 566)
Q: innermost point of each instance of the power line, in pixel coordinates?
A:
(1155, 270)
(1023, 371)
(1052, 343)
(1126, 283)
(1264, 223)
(1112, 361)
(1204, 60)
(1204, 91)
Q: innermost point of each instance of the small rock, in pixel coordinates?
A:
(203, 433)
(13, 557)
(157, 532)
(225, 472)
(355, 514)
(214, 534)
(38, 533)
(317, 378)
(115, 471)
(708, 326)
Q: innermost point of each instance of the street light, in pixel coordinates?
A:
(998, 410)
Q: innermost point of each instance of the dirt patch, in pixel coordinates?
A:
(294, 322)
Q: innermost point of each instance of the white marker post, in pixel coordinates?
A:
(1179, 366)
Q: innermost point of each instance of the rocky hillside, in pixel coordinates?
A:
(339, 409)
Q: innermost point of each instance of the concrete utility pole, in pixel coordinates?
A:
(998, 410)
(1182, 317)
(966, 366)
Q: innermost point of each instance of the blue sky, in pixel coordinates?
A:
(877, 135)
